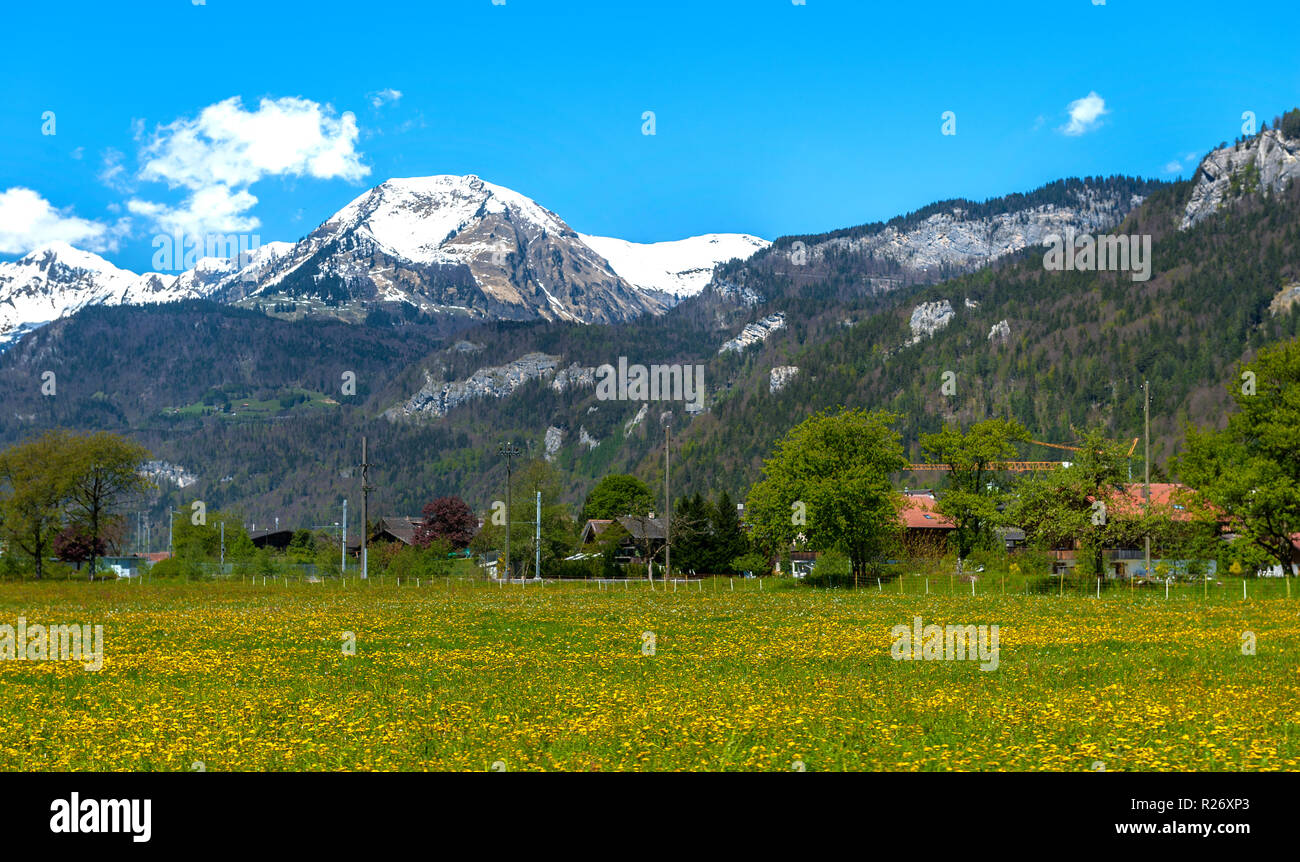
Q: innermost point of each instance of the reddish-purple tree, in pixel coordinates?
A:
(449, 519)
(75, 545)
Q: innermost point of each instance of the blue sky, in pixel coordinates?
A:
(770, 118)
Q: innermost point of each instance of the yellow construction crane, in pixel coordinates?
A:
(1020, 466)
(1131, 448)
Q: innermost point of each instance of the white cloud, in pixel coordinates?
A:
(1179, 165)
(1085, 114)
(28, 221)
(113, 173)
(378, 98)
(217, 155)
(216, 209)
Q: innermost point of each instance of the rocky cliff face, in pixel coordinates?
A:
(755, 333)
(437, 398)
(780, 376)
(956, 241)
(1265, 164)
(928, 318)
(936, 242)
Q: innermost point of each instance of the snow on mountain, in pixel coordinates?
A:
(447, 245)
(453, 245)
(421, 218)
(56, 280)
(226, 279)
(681, 267)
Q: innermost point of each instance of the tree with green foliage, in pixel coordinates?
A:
(976, 494)
(559, 533)
(617, 495)
(329, 556)
(693, 537)
(608, 546)
(1250, 471)
(202, 542)
(104, 472)
(1289, 124)
(302, 547)
(414, 562)
(750, 562)
(35, 481)
(728, 536)
(829, 480)
(1078, 504)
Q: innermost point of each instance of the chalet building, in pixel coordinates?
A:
(644, 533)
(593, 530)
(924, 529)
(277, 539)
(395, 529)
(1130, 561)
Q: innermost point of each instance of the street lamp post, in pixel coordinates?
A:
(668, 499)
(509, 451)
(1146, 467)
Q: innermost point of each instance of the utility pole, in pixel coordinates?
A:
(668, 501)
(171, 532)
(365, 509)
(223, 547)
(343, 564)
(537, 540)
(509, 451)
(1146, 464)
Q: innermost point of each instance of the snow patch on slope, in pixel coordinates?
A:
(681, 267)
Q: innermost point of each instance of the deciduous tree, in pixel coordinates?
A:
(829, 479)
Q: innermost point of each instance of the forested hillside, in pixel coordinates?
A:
(1079, 345)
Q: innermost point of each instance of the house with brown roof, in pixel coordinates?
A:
(1170, 499)
(396, 529)
(920, 512)
(925, 529)
(646, 536)
(593, 530)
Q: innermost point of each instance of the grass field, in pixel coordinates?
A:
(462, 675)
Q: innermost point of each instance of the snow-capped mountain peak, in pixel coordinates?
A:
(416, 218)
(453, 246)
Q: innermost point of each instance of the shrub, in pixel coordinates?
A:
(832, 569)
